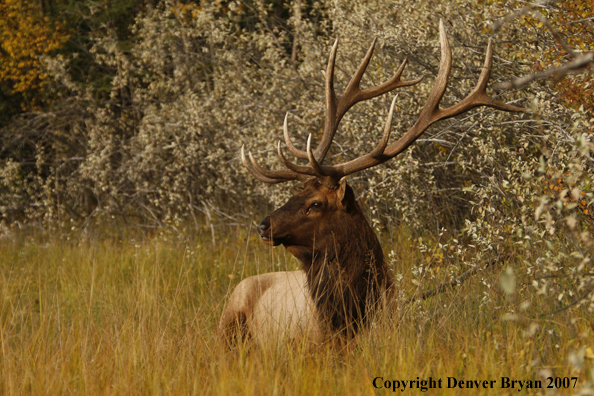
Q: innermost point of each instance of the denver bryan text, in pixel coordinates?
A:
(454, 383)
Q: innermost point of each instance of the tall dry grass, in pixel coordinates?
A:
(138, 317)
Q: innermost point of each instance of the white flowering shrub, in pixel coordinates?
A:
(162, 143)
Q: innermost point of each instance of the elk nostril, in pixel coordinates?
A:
(263, 226)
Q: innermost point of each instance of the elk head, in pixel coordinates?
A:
(311, 219)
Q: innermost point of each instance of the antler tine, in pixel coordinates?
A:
(329, 92)
(306, 170)
(330, 123)
(251, 169)
(265, 175)
(431, 112)
(378, 151)
(292, 149)
(312, 161)
(389, 85)
(355, 83)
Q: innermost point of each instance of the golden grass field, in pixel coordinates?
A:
(138, 317)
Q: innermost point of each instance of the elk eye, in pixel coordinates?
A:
(316, 205)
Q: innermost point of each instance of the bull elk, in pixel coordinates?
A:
(344, 275)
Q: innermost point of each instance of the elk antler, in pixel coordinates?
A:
(337, 107)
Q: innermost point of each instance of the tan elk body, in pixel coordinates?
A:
(273, 307)
(344, 276)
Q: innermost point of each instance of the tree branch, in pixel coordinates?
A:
(579, 65)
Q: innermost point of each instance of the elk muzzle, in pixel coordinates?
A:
(265, 231)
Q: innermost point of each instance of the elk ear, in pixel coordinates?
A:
(341, 192)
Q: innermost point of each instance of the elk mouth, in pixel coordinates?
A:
(271, 241)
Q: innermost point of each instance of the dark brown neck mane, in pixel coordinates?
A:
(348, 277)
